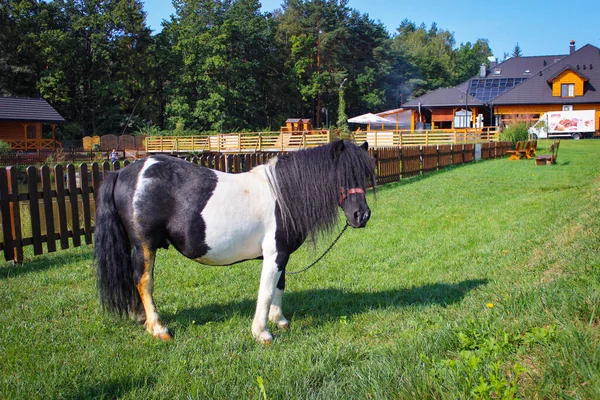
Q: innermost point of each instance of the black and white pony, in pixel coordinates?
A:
(220, 219)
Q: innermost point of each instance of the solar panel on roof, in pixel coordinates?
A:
(488, 89)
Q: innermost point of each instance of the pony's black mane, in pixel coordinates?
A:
(307, 184)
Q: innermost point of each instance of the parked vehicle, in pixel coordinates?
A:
(575, 124)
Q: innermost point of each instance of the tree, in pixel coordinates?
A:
(224, 47)
(21, 59)
(470, 57)
(218, 65)
(342, 121)
(324, 42)
(429, 54)
(517, 51)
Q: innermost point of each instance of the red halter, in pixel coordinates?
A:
(344, 193)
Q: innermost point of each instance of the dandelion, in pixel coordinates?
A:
(490, 305)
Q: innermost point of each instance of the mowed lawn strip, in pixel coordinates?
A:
(478, 281)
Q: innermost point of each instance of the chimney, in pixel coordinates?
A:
(482, 71)
(493, 62)
(572, 47)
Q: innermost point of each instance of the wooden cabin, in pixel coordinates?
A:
(21, 121)
(297, 125)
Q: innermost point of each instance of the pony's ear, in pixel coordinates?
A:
(365, 146)
(338, 147)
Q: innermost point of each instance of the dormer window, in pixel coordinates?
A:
(568, 83)
(567, 90)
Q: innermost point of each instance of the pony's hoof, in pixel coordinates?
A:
(159, 332)
(265, 338)
(164, 336)
(284, 326)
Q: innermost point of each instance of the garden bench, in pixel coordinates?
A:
(533, 149)
(549, 158)
(515, 154)
(525, 149)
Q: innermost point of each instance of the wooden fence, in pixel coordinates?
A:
(279, 142)
(109, 142)
(62, 155)
(48, 205)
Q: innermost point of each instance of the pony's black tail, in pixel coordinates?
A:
(114, 266)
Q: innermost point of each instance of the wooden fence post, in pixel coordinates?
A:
(15, 215)
(34, 210)
(48, 209)
(6, 220)
(85, 202)
(59, 184)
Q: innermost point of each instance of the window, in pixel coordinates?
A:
(31, 132)
(567, 90)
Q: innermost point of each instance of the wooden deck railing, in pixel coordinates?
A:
(33, 144)
(236, 142)
(424, 138)
(286, 141)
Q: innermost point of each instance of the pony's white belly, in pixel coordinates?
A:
(231, 248)
(238, 217)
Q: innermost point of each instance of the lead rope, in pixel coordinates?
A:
(322, 255)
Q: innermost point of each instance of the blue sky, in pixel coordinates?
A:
(540, 27)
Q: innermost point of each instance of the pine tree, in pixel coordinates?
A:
(517, 51)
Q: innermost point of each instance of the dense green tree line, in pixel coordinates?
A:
(218, 65)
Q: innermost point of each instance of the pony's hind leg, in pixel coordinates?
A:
(145, 287)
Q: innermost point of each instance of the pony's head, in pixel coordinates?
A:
(355, 172)
(311, 184)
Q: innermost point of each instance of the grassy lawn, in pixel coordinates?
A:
(479, 281)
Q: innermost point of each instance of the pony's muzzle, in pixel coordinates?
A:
(360, 218)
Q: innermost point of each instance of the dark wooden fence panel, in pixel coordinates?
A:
(411, 161)
(5, 210)
(444, 155)
(457, 154)
(387, 163)
(15, 212)
(468, 152)
(485, 150)
(430, 158)
(48, 209)
(59, 184)
(34, 211)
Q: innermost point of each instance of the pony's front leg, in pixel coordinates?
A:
(269, 278)
(275, 312)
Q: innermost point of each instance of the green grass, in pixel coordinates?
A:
(479, 281)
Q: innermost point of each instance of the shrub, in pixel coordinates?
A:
(514, 132)
(4, 147)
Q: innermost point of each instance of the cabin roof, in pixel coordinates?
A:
(449, 97)
(25, 109)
